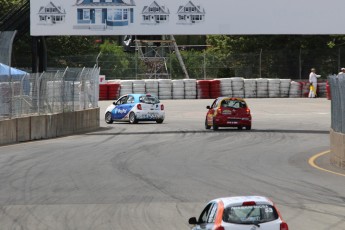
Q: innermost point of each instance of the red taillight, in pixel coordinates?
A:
(248, 203)
(219, 228)
(139, 107)
(248, 111)
(162, 107)
(219, 111)
(284, 226)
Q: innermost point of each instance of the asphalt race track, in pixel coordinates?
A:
(155, 176)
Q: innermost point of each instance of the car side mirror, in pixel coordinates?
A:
(208, 107)
(193, 221)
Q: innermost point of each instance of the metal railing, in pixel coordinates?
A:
(49, 92)
(337, 85)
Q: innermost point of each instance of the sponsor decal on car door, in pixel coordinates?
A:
(121, 111)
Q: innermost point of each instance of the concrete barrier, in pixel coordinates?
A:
(23, 129)
(337, 141)
(48, 126)
(38, 127)
(8, 131)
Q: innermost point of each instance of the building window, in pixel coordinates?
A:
(86, 14)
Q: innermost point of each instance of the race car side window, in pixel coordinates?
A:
(204, 214)
(214, 105)
(211, 217)
(122, 100)
(130, 100)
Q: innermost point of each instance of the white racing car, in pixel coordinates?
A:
(133, 108)
(239, 213)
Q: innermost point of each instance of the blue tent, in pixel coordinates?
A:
(6, 70)
(12, 74)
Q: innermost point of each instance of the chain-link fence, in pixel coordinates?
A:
(59, 91)
(337, 84)
(282, 64)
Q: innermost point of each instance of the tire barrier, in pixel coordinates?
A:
(177, 89)
(212, 88)
(215, 89)
(151, 86)
(164, 89)
(295, 89)
(321, 90)
(113, 90)
(126, 87)
(237, 86)
(225, 87)
(250, 88)
(109, 91)
(328, 89)
(285, 87)
(203, 89)
(273, 88)
(262, 87)
(190, 91)
(139, 86)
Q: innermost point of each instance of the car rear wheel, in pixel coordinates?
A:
(132, 118)
(206, 125)
(108, 118)
(160, 121)
(214, 126)
(249, 127)
(239, 127)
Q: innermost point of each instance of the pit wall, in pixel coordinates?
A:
(48, 126)
(337, 149)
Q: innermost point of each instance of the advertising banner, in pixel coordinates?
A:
(185, 17)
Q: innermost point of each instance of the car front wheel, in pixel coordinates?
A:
(132, 118)
(108, 118)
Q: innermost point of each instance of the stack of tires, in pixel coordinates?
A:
(321, 90)
(250, 88)
(273, 88)
(177, 89)
(295, 89)
(139, 86)
(226, 87)
(285, 87)
(215, 88)
(328, 90)
(203, 89)
(103, 92)
(126, 87)
(151, 86)
(305, 85)
(262, 87)
(113, 91)
(164, 89)
(237, 87)
(190, 91)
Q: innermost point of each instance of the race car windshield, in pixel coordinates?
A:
(149, 99)
(235, 104)
(252, 214)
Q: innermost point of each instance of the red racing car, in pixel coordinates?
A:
(228, 112)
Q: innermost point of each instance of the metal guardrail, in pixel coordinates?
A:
(49, 92)
(337, 85)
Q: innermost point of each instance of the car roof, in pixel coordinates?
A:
(231, 98)
(137, 95)
(239, 200)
